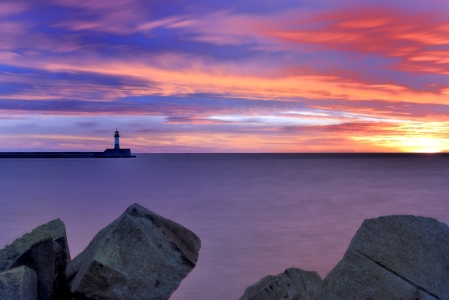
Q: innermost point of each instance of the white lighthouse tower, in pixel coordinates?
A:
(116, 140)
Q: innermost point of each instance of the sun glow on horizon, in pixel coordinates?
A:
(413, 137)
(424, 145)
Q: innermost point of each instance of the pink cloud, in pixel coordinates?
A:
(117, 17)
(17, 35)
(8, 8)
(407, 36)
(97, 5)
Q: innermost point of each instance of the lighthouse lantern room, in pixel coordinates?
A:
(116, 140)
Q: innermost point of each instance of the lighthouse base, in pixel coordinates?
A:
(116, 153)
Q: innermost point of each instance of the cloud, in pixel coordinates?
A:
(408, 36)
(117, 17)
(197, 76)
(277, 77)
(10, 8)
(155, 134)
(193, 120)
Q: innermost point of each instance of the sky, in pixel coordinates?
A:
(225, 75)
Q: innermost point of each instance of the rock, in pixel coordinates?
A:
(394, 257)
(18, 284)
(141, 255)
(292, 284)
(46, 252)
(356, 277)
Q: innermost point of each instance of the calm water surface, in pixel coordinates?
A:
(255, 214)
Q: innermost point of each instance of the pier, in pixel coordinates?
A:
(108, 153)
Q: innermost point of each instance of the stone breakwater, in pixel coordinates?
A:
(108, 153)
(392, 257)
(141, 255)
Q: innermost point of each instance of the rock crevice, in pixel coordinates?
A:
(399, 276)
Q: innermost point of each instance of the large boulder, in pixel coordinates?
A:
(18, 284)
(293, 284)
(394, 257)
(141, 255)
(46, 252)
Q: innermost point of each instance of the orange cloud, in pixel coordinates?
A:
(408, 36)
(367, 23)
(166, 78)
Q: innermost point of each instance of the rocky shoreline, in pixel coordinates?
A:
(142, 255)
(392, 257)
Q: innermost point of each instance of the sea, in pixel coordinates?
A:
(256, 214)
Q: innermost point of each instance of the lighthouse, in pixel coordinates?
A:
(116, 152)
(116, 140)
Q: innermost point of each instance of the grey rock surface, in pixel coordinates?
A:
(46, 252)
(357, 278)
(292, 284)
(393, 257)
(18, 284)
(141, 255)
